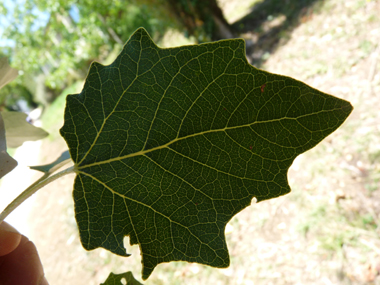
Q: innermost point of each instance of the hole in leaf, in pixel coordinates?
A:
(126, 242)
(131, 249)
(123, 281)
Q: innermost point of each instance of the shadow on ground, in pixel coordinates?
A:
(270, 24)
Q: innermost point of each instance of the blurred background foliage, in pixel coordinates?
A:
(53, 42)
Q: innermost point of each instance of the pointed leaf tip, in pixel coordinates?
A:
(7, 163)
(170, 144)
(7, 73)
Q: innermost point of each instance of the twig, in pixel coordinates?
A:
(44, 180)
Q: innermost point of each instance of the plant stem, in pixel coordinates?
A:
(44, 180)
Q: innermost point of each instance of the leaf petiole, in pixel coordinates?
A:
(44, 180)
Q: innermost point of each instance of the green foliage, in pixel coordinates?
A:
(170, 144)
(49, 40)
(12, 94)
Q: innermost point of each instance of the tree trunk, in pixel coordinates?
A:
(202, 18)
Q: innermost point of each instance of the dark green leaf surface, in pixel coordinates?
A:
(115, 279)
(169, 144)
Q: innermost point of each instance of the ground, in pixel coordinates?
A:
(327, 230)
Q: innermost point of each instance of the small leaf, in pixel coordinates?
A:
(121, 279)
(18, 130)
(7, 163)
(7, 73)
(51, 167)
(170, 144)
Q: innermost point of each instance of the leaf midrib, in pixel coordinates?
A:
(77, 167)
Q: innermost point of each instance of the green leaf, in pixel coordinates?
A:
(116, 279)
(7, 163)
(170, 144)
(18, 130)
(7, 73)
(51, 167)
